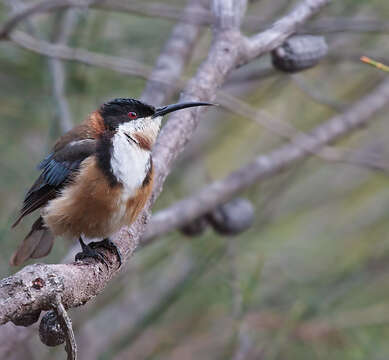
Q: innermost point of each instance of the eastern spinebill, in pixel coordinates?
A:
(96, 180)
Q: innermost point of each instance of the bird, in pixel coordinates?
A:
(96, 180)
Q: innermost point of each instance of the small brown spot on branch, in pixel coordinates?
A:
(38, 283)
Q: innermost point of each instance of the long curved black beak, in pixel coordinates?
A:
(174, 107)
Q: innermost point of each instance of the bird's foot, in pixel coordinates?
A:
(91, 250)
(108, 245)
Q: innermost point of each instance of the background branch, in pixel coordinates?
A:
(267, 165)
(199, 16)
(57, 70)
(173, 58)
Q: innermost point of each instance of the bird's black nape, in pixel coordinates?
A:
(121, 106)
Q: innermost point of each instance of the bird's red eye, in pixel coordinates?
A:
(132, 115)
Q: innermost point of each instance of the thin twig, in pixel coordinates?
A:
(288, 131)
(122, 65)
(66, 324)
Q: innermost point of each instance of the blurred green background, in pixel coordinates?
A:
(309, 280)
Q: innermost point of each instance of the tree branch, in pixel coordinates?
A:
(79, 282)
(200, 17)
(173, 58)
(122, 65)
(265, 166)
(269, 39)
(57, 71)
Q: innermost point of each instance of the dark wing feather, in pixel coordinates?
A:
(57, 169)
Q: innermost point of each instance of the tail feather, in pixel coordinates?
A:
(36, 244)
(45, 244)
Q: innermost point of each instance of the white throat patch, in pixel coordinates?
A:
(129, 162)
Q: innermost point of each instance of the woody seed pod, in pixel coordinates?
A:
(299, 52)
(233, 217)
(50, 330)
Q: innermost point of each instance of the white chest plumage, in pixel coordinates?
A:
(129, 162)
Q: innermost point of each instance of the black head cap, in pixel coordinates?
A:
(117, 111)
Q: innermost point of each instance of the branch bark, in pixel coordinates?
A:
(79, 282)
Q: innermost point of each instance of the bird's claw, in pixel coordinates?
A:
(91, 251)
